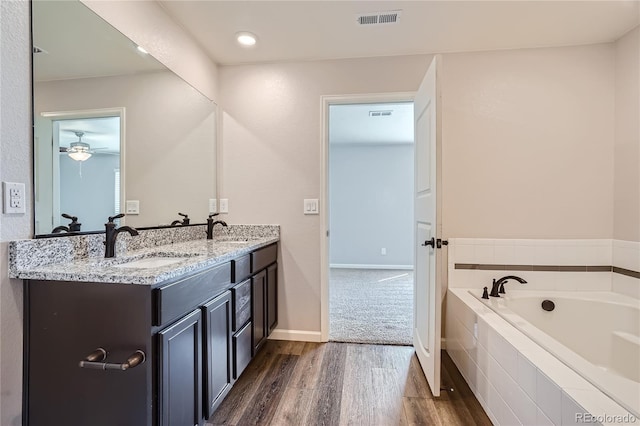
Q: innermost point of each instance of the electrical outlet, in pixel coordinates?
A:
(224, 205)
(213, 205)
(14, 198)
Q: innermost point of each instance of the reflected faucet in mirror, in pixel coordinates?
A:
(211, 223)
(184, 221)
(111, 233)
(74, 226)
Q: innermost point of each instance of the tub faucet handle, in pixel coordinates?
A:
(485, 293)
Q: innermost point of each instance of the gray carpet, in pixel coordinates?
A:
(371, 306)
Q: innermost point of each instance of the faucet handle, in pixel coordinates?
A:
(119, 216)
(212, 215)
(183, 215)
(68, 216)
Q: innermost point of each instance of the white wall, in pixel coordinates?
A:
(148, 25)
(527, 148)
(170, 146)
(528, 143)
(626, 223)
(371, 204)
(15, 166)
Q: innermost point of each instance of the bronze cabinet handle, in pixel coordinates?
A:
(93, 361)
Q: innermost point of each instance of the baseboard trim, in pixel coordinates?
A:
(358, 266)
(297, 335)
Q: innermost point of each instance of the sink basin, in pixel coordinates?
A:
(230, 241)
(150, 262)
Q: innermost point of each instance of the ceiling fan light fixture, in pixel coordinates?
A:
(79, 155)
(79, 151)
(246, 38)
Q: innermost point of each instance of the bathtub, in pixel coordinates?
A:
(597, 334)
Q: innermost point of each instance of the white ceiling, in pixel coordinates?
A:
(353, 124)
(312, 30)
(78, 43)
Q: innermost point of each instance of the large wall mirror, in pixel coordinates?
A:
(112, 127)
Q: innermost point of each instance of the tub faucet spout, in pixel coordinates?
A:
(498, 285)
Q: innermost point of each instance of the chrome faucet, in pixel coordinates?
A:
(74, 226)
(498, 285)
(211, 223)
(184, 221)
(111, 233)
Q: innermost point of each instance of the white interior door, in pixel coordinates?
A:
(427, 329)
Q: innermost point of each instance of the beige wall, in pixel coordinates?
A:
(148, 25)
(527, 135)
(271, 156)
(626, 222)
(170, 132)
(15, 166)
(528, 143)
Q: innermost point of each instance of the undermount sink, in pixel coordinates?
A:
(150, 262)
(235, 241)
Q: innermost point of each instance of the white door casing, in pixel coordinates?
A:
(427, 277)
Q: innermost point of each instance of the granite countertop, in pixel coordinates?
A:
(194, 255)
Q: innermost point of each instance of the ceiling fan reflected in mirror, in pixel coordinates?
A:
(79, 151)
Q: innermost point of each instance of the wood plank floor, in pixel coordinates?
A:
(298, 383)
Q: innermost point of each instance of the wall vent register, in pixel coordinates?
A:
(379, 18)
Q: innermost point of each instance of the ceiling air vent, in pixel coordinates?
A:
(377, 18)
(380, 113)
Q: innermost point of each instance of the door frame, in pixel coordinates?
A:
(325, 102)
(96, 113)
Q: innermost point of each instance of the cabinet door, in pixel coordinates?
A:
(180, 372)
(272, 297)
(258, 313)
(217, 354)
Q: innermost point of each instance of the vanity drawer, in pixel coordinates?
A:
(241, 350)
(264, 257)
(241, 297)
(178, 298)
(240, 268)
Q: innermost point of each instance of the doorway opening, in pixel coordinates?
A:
(78, 168)
(370, 217)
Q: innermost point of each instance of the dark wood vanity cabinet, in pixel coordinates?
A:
(180, 372)
(218, 355)
(197, 333)
(264, 294)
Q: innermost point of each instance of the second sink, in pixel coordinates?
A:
(150, 262)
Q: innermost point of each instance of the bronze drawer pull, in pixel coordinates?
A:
(93, 360)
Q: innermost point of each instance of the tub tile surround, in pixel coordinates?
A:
(538, 390)
(81, 258)
(509, 373)
(572, 265)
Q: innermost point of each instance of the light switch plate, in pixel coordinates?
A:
(133, 207)
(224, 205)
(14, 198)
(311, 206)
(213, 205)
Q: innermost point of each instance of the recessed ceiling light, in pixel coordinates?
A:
(246, 38)
(142, 50)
